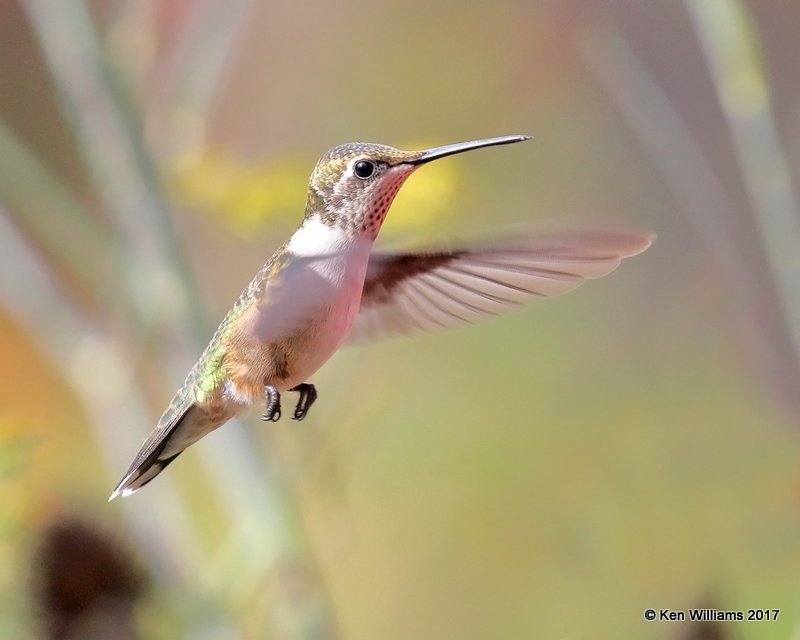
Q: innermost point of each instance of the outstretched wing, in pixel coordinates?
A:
(406, 293)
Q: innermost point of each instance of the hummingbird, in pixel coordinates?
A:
(326, 286)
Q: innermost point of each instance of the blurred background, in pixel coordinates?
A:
(637, 444)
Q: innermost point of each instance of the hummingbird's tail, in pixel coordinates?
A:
(176, 431)
(137, 478)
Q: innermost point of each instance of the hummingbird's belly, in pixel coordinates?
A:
(296, 324)
(312, 346)
(283, 345)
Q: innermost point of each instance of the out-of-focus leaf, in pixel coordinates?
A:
(16, 450)
(51, 214)
(246, 198)
(243, 198)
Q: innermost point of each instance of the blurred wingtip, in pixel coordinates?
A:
(634, 242)
(598, 235)
(611, 240)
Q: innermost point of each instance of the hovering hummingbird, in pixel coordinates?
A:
(326, 286)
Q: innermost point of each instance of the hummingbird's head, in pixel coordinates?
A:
(354, 184)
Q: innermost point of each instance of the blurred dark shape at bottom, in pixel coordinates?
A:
(85, 583)
(707, 629)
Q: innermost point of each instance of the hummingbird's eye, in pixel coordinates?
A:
(363, 169)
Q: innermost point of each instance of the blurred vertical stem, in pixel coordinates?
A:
(111, 144)
(695, 184)
(266, 539)
(199, 56)
(77, 350)
(730, 46)
(34, 193)
(660, 129)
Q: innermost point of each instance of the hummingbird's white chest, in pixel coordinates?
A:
(304, 315)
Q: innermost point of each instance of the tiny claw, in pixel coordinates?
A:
(273, 409)
(308, 395)
(274, 416)
(299, 413)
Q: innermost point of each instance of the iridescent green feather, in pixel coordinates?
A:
(209, 372)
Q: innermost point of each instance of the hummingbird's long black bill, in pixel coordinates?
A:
(450, 149)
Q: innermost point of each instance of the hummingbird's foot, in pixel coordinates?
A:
(308, 395)
(273, 411)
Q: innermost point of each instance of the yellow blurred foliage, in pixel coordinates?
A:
(429, 194)
(241, 197)
(244, 197)
(20, 447)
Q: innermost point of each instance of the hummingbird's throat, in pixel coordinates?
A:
(380, 200)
